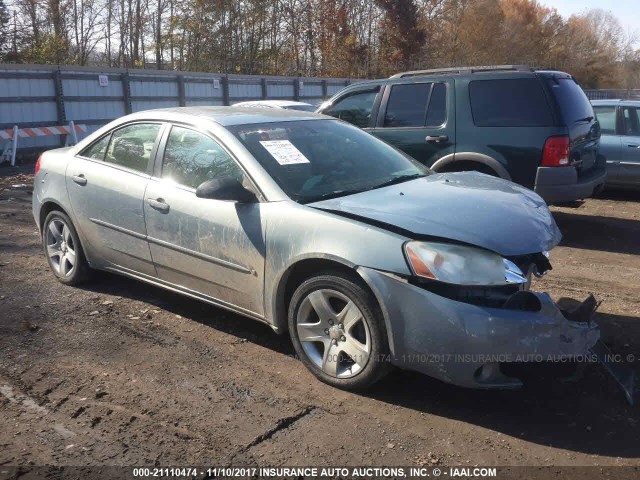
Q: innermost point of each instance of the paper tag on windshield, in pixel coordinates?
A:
(284, 152)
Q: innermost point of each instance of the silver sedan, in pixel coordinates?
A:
(366, 258)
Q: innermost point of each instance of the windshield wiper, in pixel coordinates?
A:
(329, 195)
(345, 192)
(400, 179)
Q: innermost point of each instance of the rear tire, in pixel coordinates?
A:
(63, 249)
(338, 332)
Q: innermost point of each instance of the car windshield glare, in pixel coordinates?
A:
(313, 160)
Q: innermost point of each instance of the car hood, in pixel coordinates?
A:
(468, 207)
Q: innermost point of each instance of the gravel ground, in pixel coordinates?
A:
(121, 373)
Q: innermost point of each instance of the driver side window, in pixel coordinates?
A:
(631, 121)
(355, 108)
(191, 158)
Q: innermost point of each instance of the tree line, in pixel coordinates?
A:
(335, 38)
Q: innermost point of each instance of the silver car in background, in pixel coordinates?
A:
(620, 140)
(304, 222)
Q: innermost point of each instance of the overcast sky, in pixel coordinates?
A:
(627, 11)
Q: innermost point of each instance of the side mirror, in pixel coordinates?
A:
(225, 188)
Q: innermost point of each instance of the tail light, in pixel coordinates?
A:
(556, 152)
(38, 165)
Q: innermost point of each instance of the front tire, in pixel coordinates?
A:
(63, 249)
(337, 331)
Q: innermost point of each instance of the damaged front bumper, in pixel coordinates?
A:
(464, 344)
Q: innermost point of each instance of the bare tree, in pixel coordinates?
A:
(88, 20)
(355, 38)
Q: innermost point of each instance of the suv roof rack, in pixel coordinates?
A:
(484, 68)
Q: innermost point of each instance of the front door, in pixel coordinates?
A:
(413, 117)
(610, 140)
(106, 184)
(212, 247)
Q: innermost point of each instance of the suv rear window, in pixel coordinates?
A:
(574, 104)
(518, 102)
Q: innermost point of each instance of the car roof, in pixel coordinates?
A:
(616, 101)
(275, 103)
(226, 116)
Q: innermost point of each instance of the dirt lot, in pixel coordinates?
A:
(120, 373)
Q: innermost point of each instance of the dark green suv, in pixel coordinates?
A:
(536, 128)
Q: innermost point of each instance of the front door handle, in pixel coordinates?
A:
(437, 138)
(79, 179)
(158, 204)
(633, 145)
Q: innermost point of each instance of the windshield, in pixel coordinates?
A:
(318, 159)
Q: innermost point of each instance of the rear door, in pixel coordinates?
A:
(629, 172)
(414, 117)
(610, 139)
(577, 115)
(106, 184)
(212, 247)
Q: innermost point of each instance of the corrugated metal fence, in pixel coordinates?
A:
(610, 94)
(42, 95)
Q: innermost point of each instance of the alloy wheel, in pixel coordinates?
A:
(334, 333)
(61, 248)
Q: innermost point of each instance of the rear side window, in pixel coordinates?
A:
(437, 111)
(355, 108)
(574, 104)
(97, 149)
(607, 119)
(416, 105)
(518, 102)
(131, 146)
(407, 106)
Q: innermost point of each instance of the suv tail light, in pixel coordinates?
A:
(38, 165)
(556, 152)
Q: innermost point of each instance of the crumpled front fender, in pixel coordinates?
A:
(453, 341)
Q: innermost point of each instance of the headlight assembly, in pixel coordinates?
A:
(461, 265)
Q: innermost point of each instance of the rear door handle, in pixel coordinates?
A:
(158, 204)
(79, 179)
(437, 138)
(633, 145)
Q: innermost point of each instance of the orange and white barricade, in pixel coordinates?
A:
(11, 136)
